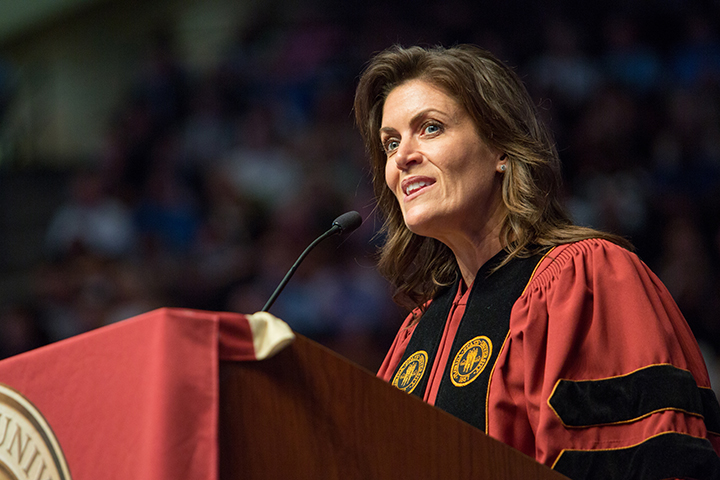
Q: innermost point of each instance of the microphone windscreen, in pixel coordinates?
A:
(348, 221)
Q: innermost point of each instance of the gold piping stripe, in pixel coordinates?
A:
(502, 347)
(635, 419)
(626, 374)
(532, 275)
(550, 396)
(492, 372)
(618, 448)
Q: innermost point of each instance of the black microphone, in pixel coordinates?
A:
(345, 223)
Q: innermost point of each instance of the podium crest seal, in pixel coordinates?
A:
(470, 361)
(411, 371)
(28, 447)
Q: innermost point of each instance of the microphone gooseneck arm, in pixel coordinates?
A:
(345, 223)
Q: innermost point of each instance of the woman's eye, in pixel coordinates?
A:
(432, 128)
(391, 145)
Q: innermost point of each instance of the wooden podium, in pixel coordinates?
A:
(309, 413)
(175, 394)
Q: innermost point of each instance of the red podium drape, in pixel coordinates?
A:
(137, 399)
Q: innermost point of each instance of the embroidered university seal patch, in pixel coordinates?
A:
(411, 371)
(28, 447)
(470, 361)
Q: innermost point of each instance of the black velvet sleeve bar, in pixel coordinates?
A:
(671, 455)
(629, 397)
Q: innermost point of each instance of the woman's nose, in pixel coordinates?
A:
(407, 154)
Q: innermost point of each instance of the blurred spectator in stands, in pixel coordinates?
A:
(261, 165)
(563, 71)
(245, 73)
(168, 212)
(207, 133)
(154, 110)
(135, 290)
(627, 61)
(162, 81)
(72, 292)
(307, 55)
(19, 329)
(224, 252)
(608, 169)
(86, 291)
(90, 220)
(686, 269)
(696, 61)
(688, 143)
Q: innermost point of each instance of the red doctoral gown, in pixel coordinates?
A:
(598, 374)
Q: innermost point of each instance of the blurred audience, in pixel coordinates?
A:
(210, 185)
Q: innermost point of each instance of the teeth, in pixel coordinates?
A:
(414, 186)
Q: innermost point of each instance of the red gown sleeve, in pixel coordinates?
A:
(600, 366)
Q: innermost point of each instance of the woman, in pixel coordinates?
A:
(552, 338)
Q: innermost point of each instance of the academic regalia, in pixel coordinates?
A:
(578, 357)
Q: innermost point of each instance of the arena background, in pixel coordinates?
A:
(183, 152)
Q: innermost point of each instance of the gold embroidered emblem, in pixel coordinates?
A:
(411, 371)
(470, 361)
(28, 447)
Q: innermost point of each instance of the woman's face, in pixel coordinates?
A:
(446, 179)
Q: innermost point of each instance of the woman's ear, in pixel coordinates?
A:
(502, 163)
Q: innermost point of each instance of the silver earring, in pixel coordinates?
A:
(503, 167)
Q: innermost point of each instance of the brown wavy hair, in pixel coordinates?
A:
(506, 119)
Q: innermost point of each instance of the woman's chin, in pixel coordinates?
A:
(419, 226)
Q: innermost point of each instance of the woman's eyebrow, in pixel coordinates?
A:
(415, 118)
